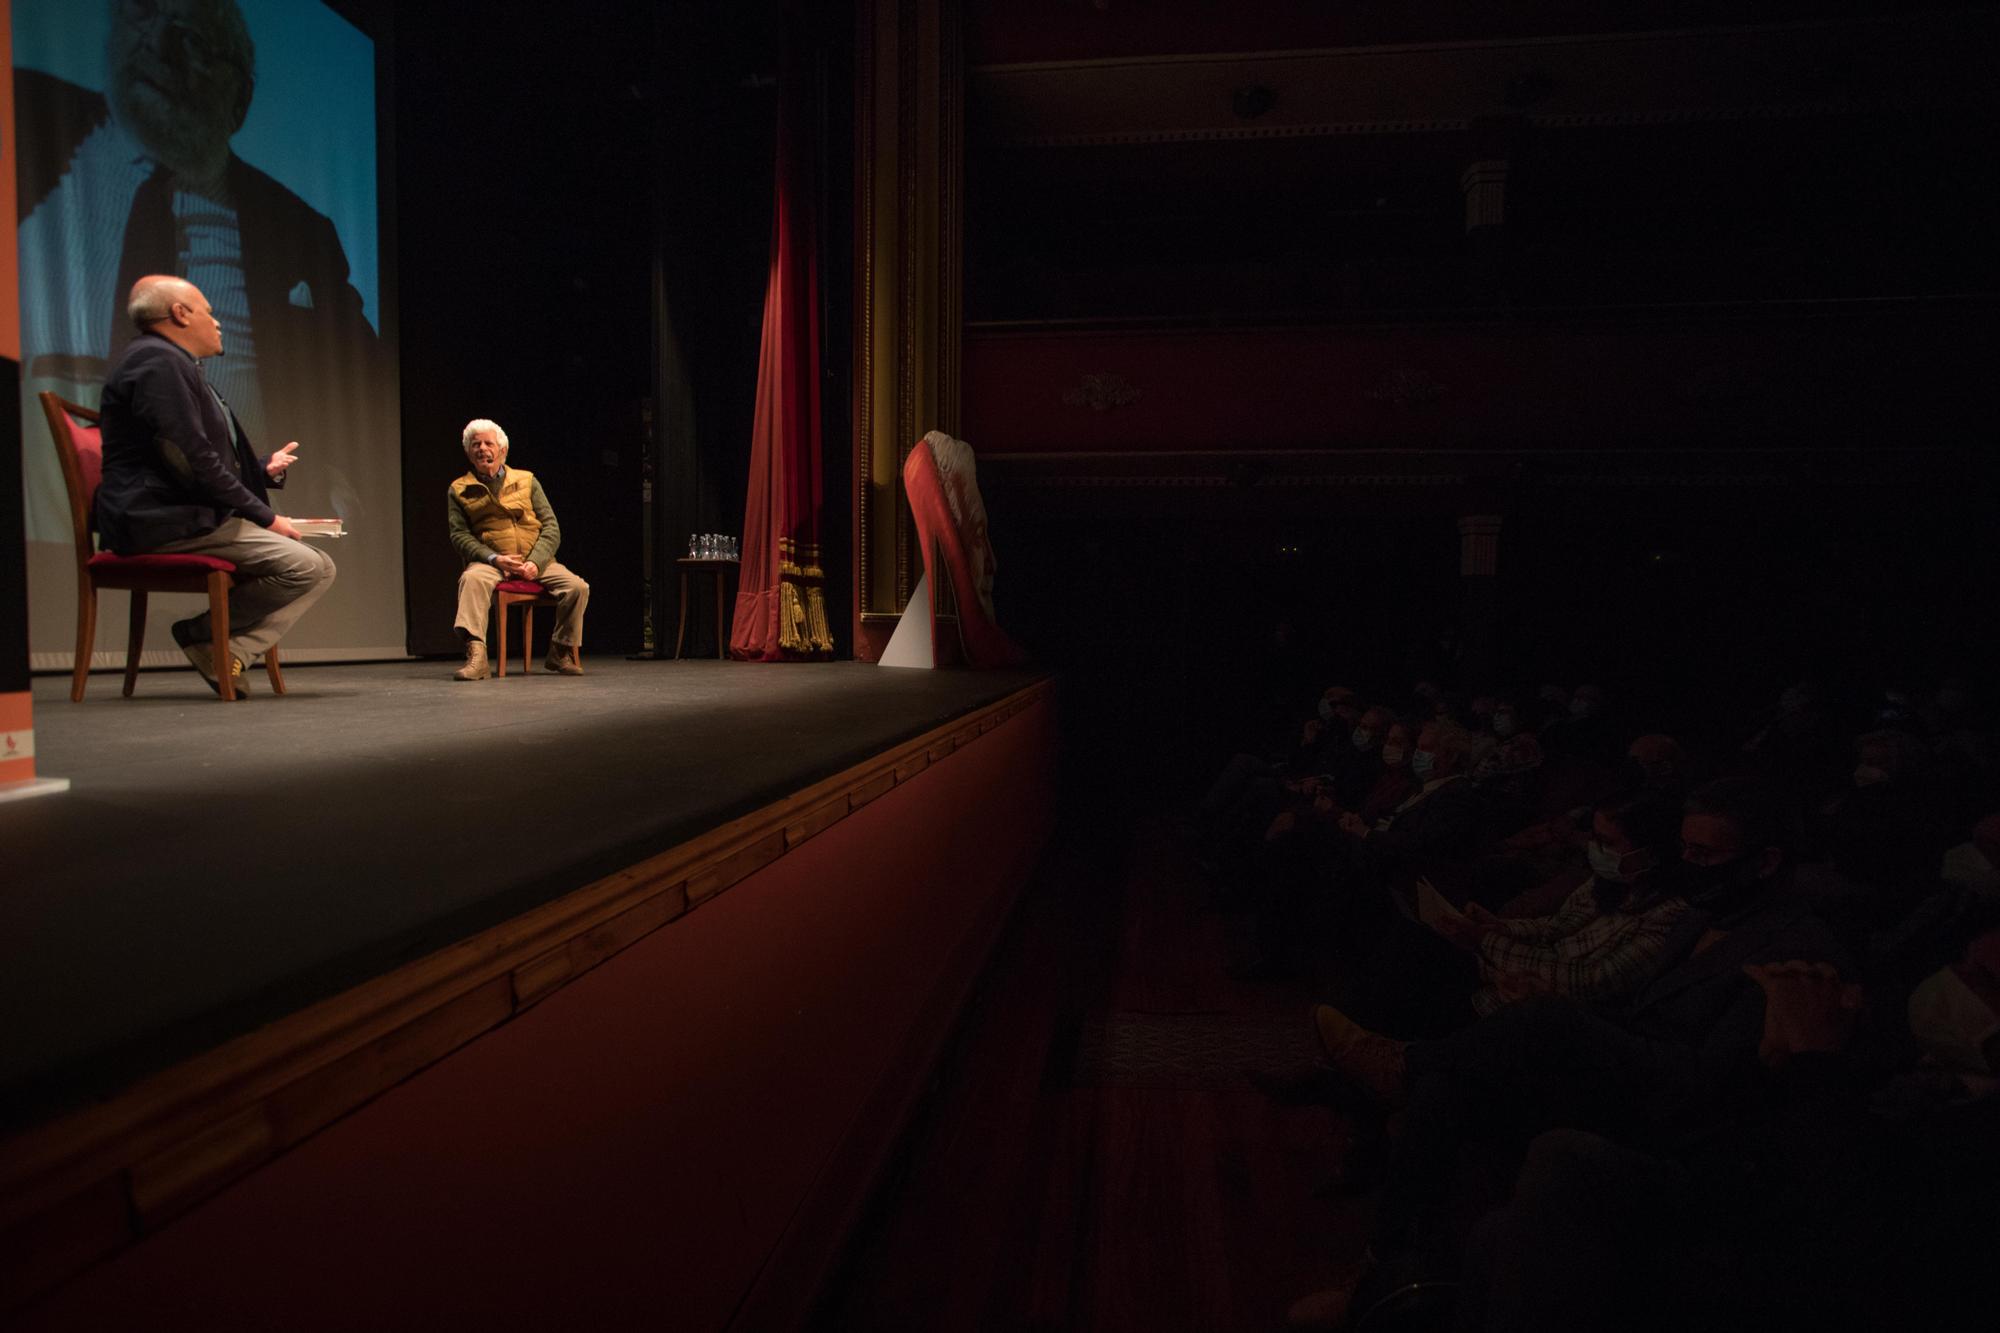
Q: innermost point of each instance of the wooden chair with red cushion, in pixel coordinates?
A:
(80, 448)
(526, 594)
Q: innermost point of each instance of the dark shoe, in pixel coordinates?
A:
(562, 660)
(194, 639)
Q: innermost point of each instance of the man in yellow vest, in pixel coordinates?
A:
(503, 528)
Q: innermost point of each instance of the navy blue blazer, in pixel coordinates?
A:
(176, 464)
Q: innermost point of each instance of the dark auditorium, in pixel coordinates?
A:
(1187, 666)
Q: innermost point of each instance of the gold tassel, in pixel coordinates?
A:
(822, 637)
(791, 618)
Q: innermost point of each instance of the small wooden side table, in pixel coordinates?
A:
(722, 569)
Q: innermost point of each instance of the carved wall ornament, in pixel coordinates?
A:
(1101, 393)
(1407, 387)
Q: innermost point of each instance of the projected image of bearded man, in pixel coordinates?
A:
(181, 79)
(142, 179)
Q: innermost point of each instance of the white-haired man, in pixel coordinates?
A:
(503, 528)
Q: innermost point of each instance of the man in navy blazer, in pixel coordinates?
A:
(179, 477)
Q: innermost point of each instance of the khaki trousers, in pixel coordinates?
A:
(277, 580)
(476, 583)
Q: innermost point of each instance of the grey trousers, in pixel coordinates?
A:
(277, 580)
(475, 600)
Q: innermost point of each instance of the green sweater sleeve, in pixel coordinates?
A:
(470, 549)
(551, 538)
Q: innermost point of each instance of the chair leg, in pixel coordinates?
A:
(135, 640)
(500, 614)
(271, 670)
(218, 636)
(86, 634)
(527, 635)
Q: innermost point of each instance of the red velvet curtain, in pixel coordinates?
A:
(780, 599)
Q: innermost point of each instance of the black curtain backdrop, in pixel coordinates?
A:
(524, 182)
(584, 228)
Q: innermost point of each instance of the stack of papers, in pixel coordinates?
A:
(319, 527)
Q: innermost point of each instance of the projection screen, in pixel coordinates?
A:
(232, 142)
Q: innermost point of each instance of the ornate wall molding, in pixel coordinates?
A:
(1743, 72)
(1101, 392)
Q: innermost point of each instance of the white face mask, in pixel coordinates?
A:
(1363, 738)
(1609, 865)
(1951, 1023)
(1581, 708)
(1503, 724)
(1392, 755)
(1326, 710)
(1867, 775)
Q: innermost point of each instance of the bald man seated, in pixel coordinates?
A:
(181, 478)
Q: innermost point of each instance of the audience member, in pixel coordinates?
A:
(1887, 833)
(1779, 1207)
(1658, 1064)
(1975, 865)
(1608, 934)
(1665, 1045)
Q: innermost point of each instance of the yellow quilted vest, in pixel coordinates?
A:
(504, 521)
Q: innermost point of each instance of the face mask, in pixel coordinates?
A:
(1723, 889)
(1503, 724)
(1422, 763)
(1867, 775)
(1581, 708)
(1326, 710)
(1792, 701)
(1363, 738)
(1951, 1023)
(1392, 756)
(1609, 865)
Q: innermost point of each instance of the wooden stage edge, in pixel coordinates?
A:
(80, 1188)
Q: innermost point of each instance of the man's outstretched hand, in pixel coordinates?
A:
(275, 465)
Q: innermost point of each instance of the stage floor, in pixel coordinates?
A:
(215, 867)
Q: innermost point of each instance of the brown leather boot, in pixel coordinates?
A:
(562, 659)
(475, 667)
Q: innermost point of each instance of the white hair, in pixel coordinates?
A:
(478, 424)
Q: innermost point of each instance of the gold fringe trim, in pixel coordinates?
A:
(802, 627)
(799, 560)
